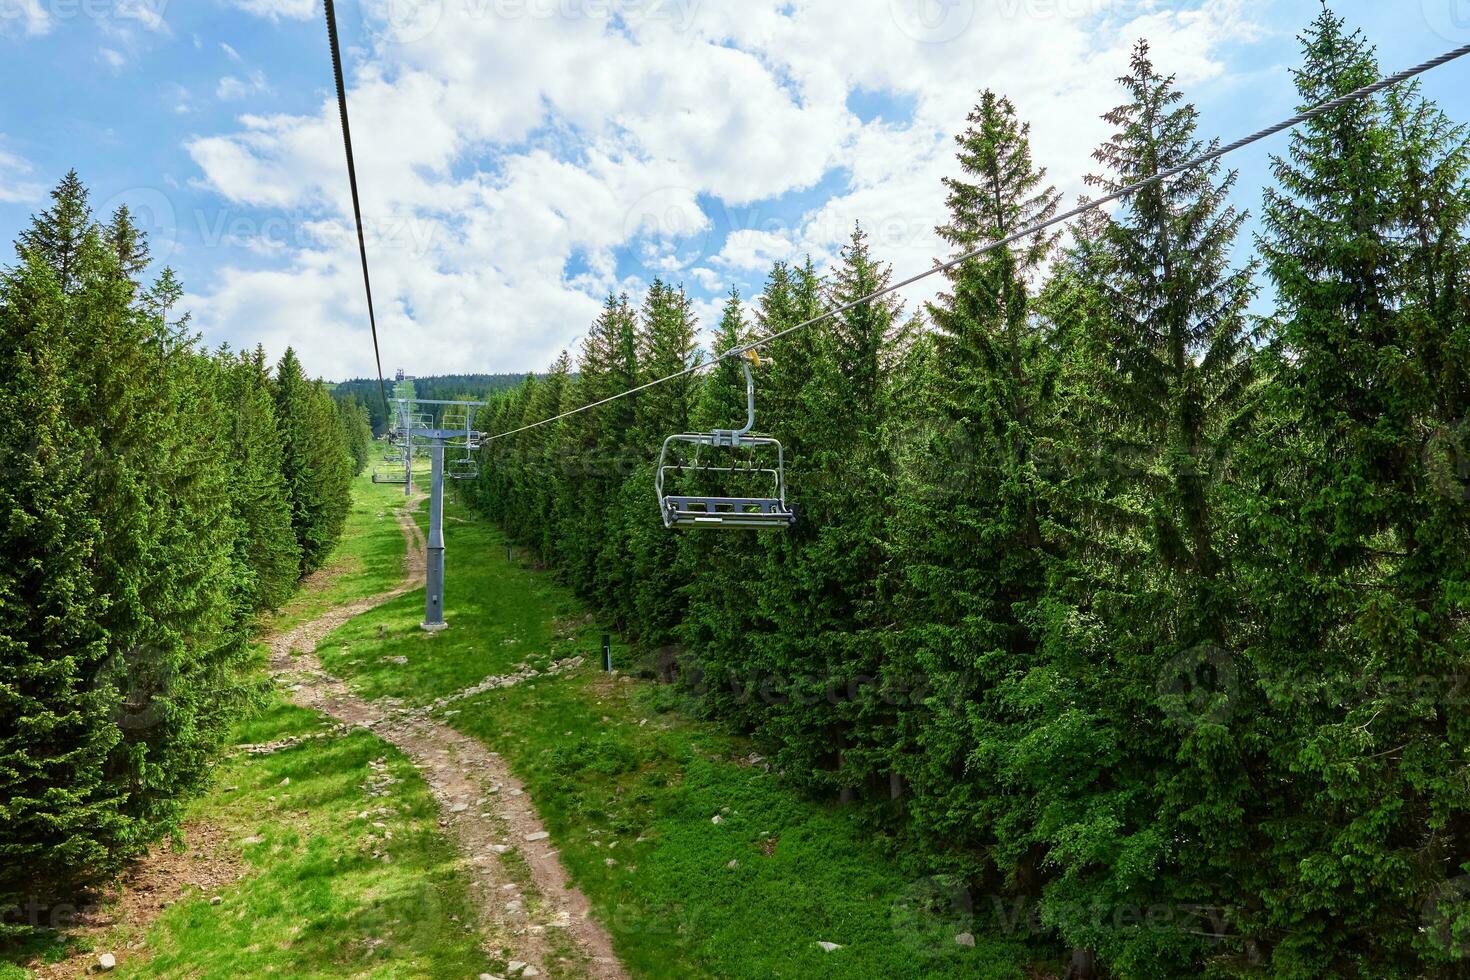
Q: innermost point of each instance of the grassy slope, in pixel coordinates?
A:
(316, 902)
(367, 561)
(609, 762)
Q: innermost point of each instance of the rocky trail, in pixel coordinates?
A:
(544, 926)
(529, 914)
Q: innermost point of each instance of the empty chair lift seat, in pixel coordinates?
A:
(744, 512)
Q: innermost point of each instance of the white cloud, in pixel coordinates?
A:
(112, 59)
(30, 16)
(232, 89)
(16, 187)
(708, 279)
(230, 52)
(277, 9)
(499, 140)
(755, 251)
(148, 13)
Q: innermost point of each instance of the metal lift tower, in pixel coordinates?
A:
(454, 431)
(403, 392)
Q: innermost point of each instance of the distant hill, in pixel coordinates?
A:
(474, 387)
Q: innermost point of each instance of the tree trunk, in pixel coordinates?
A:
(1083, 965)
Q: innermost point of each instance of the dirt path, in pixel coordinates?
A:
(544, 922)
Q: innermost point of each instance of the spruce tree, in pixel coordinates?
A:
(315, 461)
(598, 446)
(585, 463)
(665, 347)
(130, 579)
(1357, 534)
(544, 461)
(521, 506)
(826, 576)
(127, 243)
(59, 819)
(1162, 391)
(57, 234)
(1431, 518)
(970, 564)
(139, 391)
(266, 550)
(356, 433)
(184, 683)
(721, 571)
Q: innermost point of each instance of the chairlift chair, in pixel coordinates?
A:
(460, 419)
(462, 468)
(393, 476)
(456, 416)
(698, 512)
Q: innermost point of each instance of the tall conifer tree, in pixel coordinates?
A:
(1358, 534)
(969, 566)
(1161, 394)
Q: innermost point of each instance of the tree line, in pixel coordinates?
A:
(451, 387)
(156, 497)
(1125, 607)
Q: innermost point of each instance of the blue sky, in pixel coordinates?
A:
(521, 158)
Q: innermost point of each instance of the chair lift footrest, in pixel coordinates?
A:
(730, 512)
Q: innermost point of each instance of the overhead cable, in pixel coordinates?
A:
(356, 203)
(1090, 205)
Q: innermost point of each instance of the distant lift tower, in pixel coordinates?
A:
(455, 433)
(410, 419)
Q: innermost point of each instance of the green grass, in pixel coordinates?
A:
(619, 774)
(496, 623)
(367, 561)
(316, 902)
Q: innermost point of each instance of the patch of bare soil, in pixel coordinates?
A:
(484, 809)
(209, 862)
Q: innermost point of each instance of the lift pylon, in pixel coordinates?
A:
(454, 432)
